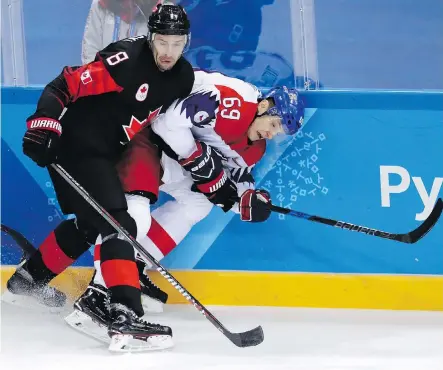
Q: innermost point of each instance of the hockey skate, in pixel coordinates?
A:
(21, 286)
(129, 333)
(153, 297)
(91, 314)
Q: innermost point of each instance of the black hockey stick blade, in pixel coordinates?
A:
(248, 338)
(415, 235)
(245, 339)
(27, 248)
(409, 238)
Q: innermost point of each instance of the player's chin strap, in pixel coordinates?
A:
(244, 339)
(409, 238)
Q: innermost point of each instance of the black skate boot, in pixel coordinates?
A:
(93, 303)
(22, 285)
(129, 333)
(153, 297)
(91, 314)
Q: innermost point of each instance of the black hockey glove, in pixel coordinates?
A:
(41, 139)
(225, 195)
(206, 168)
(254, 205)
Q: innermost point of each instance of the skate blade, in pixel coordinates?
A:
(28, 302)
(127, 343)
(151, 305)
(83, 323)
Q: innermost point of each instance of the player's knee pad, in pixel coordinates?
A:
(89, 232)
(140, 210)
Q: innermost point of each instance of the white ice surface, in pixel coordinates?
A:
(305, 339)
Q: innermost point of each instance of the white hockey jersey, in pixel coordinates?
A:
(218, 111)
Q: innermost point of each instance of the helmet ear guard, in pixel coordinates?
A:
(288, 106)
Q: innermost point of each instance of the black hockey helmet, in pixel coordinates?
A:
(169, 19)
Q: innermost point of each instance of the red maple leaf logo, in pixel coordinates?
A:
(135, 125)
(144, 89)
(153, 115)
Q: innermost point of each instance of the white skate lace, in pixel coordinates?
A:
(150, 283)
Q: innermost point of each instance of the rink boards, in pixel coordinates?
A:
(369, 158)
(393, 292)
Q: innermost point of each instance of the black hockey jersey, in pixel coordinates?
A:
(103, 104)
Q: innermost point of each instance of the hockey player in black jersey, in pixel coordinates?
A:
(84, 118)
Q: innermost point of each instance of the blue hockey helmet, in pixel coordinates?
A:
(288, 106)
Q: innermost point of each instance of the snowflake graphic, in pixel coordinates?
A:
(297, 173)
(57, 216)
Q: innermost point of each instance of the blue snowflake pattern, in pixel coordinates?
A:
(297, 172)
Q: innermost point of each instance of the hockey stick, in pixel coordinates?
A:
(410, 237)
(24, 244)
(244, 339)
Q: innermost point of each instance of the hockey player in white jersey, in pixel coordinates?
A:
(209, 143)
